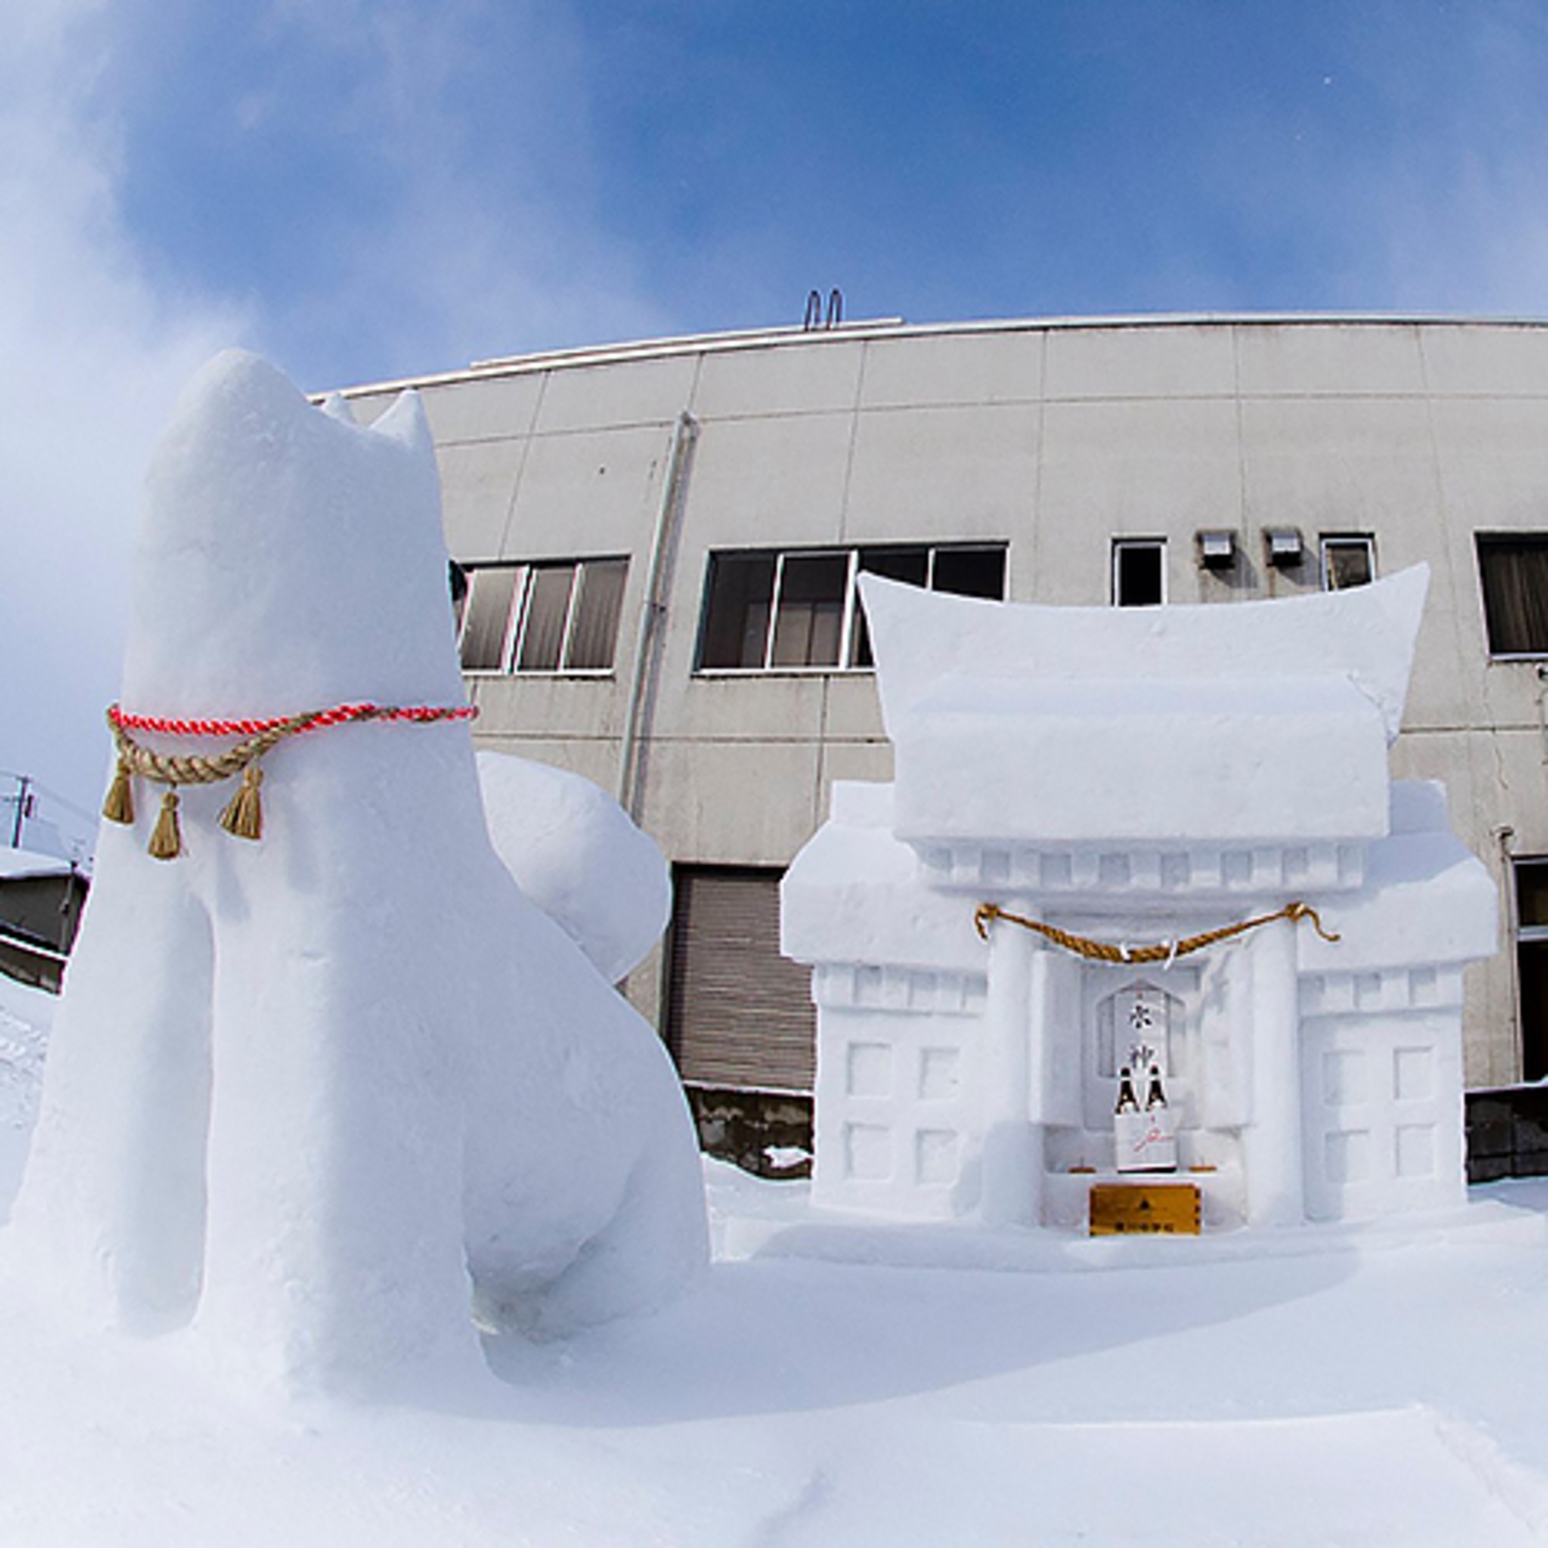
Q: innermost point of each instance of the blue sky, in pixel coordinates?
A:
(367, 189)
(397, 187)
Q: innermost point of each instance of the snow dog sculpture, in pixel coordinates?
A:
(320, 1097)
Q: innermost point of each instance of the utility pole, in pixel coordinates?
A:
(23, 789)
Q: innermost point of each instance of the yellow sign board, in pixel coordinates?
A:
(1145, 1209)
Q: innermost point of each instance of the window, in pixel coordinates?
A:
(548, 617)
(486, 618)
(1513, 568)
(1348, 561)
(1139, 572)
(1532, 964)
(799, 609)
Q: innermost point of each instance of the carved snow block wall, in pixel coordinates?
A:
(897, 1089)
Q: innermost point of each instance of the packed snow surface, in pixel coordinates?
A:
(830, 1384)
(25, 1017)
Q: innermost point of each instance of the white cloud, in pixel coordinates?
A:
(471, 224)
(93, 360)
(459, 246)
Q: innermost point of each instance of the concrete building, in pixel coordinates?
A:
(662, 540)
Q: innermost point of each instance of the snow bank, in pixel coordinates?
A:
(301, 1089)
(25, 1017)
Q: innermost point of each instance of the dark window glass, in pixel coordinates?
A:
(911, 564)
(1137, 574)
(1532, 964)
(810, 620)
(543, 622)
(901, 564)
(1532, 892)
(1514, 572)
(1347, 562)
(487, 614)
(971, 572)
(594, 634)
(736, 617)
(792, 609)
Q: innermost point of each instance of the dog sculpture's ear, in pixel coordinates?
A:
(405, 422)
(335, 407)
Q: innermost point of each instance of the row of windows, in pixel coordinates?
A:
(1139, 566)
(781, 610)
(542, 617)
(765, 609)
(793, 609)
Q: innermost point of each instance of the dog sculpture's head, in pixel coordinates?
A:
(288, 559)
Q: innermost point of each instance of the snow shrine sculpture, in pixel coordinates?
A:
(326, 1096)
(1074, 786)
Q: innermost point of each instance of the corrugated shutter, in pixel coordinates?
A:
(738, 1014)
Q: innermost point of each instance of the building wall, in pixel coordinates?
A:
(1054, 437)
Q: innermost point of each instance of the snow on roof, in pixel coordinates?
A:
(1366, 633)
(15, 863)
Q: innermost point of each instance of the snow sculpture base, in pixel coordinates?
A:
(1139, 776)
(316, 1096)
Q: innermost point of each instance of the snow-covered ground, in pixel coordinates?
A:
(1333, 1389)
(25, 1017)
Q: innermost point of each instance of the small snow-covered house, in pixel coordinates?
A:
(41, 898)
(1010, 991)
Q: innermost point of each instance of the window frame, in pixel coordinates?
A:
(1526, 935)
(850, 622)
(518, 614)
(1122, 544)
(1481, 540)
(1331, 540)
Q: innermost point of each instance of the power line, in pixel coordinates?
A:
(52, 794)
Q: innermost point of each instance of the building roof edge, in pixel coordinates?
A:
(897, 327)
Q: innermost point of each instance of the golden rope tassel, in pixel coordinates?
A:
(1165, 951)
(243, 815)
(119, 803)
(1294, 911)
(166, 840)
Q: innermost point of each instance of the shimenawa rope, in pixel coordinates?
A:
(1164, 951)
(243, 814)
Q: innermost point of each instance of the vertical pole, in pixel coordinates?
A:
(1012, 1174)
(1272, 1141)
(652, 612)
(23, 785)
